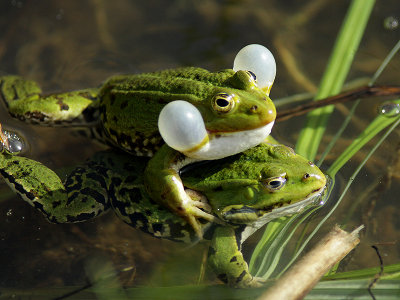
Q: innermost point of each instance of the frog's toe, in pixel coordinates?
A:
(195, 224)
(194, 213)
(252, 282)
(197, 199)
(257, 282)
(197, 212)
(203, 206)
(196, 205)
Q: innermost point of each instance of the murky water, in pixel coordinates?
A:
(67, 45)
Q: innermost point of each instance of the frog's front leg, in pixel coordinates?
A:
(82, 197)
(226, 259)
(25, 101)
(164, 186)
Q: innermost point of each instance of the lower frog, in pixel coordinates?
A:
(204, 115)
(245, 191)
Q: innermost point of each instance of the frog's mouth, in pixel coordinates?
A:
(268, 214)
(260, 216)
(225, 144)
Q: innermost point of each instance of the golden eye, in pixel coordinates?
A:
(223, 102)
(275, 183)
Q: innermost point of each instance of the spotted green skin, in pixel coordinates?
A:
(151, 91)
(126, 107)
(233, 186)
(123, 113)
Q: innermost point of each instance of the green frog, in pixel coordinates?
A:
(234, 114)
(244, 191)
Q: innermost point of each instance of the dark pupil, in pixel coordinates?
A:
(275, 183)
(221, 102)
(253, 75)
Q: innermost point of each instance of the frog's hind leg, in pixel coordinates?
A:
(25, 101)
(83, 195)
(226, 259)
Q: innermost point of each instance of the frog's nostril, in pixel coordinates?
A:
(306, 176)
(254, 108)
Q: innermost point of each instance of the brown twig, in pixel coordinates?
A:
(364, 92)
(303, 276)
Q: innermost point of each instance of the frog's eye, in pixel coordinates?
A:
(275, 183)
(258, 60)
(223, 102)
(181, 126)
(252, 75)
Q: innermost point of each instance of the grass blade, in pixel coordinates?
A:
(377, 125)
(335, 74)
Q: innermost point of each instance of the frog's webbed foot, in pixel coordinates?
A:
(195, 207)
(252, 282)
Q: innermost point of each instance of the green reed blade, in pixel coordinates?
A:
(377, 125)
(335, 74)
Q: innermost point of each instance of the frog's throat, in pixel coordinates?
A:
(226, 144)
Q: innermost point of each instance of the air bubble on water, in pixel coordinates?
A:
(15, 142)
(389, 109)
(391, 23)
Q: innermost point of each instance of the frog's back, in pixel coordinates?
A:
(130, 104)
